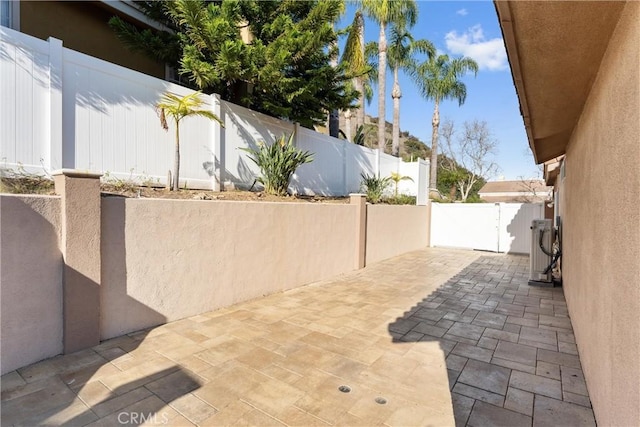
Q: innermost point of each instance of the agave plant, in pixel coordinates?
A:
(374, 186)
(277, 163)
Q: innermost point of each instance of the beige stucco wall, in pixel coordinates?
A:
(393, 230)
(30, 280)
(601, 218)
(164, 260)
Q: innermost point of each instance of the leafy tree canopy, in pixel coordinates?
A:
(281, 67)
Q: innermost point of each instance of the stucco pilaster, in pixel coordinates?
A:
(80, 247)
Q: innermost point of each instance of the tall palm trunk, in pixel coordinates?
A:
(396, 94)
(347, 124)
(176, 161)
(360, 80)
(435, 123)
(333, 121)
(382, 69)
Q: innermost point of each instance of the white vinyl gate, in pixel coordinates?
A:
(496, 227)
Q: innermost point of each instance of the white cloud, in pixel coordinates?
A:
(462, 12)
(489, 54)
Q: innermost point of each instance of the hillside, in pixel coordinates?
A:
(410, 146)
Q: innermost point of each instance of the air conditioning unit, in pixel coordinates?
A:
(541, 253)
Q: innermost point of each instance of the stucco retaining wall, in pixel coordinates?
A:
(30, 280)
(601, 220)
(164, 260)
(393, 230)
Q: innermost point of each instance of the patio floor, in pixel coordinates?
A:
(426, 338)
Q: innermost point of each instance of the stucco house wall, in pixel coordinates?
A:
(82, 26)
(600, 208)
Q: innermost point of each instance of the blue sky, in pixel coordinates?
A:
(464, 28)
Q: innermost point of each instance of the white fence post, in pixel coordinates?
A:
(296, 134)
(55, 104)
(344, 167)
(423, 180)
(218, 144)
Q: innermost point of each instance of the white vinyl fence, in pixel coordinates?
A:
(496, 227)
(63, 109)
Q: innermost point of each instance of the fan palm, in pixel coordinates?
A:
(438, 78)
(178, 108)
(385, 12)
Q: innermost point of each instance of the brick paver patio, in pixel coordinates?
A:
(418, 339)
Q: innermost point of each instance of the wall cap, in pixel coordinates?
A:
(75, 173)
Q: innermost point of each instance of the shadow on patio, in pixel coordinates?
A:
(511, 354)
(281, 360)
(117, 382)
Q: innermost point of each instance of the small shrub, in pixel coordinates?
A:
(277, 163)
(20, 181)
(401, 199)
(374, 187)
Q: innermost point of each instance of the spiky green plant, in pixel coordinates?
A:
(178, 108)
(374, 186)
(277, 163)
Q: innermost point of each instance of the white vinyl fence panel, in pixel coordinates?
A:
(328, 156)
(25, 88)
(515, 225)
(360, 160)
(496, 227)
(245, 128)
(110, 114)
(64, 109)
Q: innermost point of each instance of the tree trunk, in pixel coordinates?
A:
(359, 112)
(176, 161)
(396, 94)
(360, 80)
(347, 125)
(435, 122)
(382, 70)
(334, 123)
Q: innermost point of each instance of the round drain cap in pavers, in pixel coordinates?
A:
(344, 388)
(381, 400)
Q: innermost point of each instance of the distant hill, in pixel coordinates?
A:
(410, 146)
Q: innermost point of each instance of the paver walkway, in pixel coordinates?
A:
(418, 339)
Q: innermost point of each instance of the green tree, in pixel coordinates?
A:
(178, 108)
(271, 56)
(438, 78)
(355, 58)
(385, 12)
(401, 53)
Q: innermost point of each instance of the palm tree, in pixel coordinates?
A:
(385, 12)
(401, 51)
(396, 178)
(178, 108)
(438, 78)
(357, 65)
